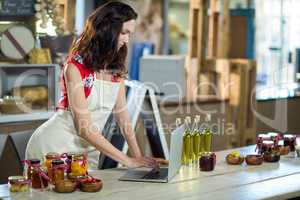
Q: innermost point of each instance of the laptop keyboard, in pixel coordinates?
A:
(153, 174)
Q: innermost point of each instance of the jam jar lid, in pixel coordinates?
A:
(34, 161)
(268, 142)
(52, 155)
(289, 136)
(264, 136)
(71, 154)
(207, 154)
(273, 134)
(78, 156)
(57, 162)
(17, 179)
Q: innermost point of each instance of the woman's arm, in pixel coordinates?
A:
(83, 122)
(122, 117)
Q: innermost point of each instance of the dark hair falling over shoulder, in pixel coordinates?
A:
(98, 43)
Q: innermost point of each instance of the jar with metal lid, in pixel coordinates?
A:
(36, 174)
(79, 165)
(290, 140)
(207, 161)
(18, 184)
(58, 170)
(48, 160)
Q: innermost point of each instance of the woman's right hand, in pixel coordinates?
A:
(143, 162)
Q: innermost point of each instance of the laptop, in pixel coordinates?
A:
(165, 173)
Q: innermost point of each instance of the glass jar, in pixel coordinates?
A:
(264, 137)
(58, 170)
(267, 146)
(79, 165)
(207, 161)
(18, 184)
(69, 162)
(274, 137)
(48, 160)
(36, 174)
(290, 140)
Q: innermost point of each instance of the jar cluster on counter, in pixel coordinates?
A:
(63, 171)
(283, 143)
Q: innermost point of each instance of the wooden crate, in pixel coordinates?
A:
(196, 46)
(242, 99)
(67, 11)
(233, 79)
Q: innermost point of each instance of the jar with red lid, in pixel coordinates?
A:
(58, 170)
(207, 161)
(290, 140)
(36, 174)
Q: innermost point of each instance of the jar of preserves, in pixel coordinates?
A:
(207, 161)
(79, 165)
(68, 162)
(290, 140)
(264, 136)
(267, 146)
(58, 170)
(18, 184)
(48, 160)
(36, 174)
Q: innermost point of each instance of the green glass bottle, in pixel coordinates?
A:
(207, 134)
(183, 157)
(187, 142)
(196, 139)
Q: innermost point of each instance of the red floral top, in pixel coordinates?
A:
(87, 75)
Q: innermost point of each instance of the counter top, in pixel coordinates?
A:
(267, 181)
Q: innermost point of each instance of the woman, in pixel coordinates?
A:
(92, 87)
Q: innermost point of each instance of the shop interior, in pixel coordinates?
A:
(228, 68)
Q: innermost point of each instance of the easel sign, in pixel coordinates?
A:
(141, 102)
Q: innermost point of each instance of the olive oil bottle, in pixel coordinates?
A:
(178, 123)
(187, 143)
(207, 134)
(196, 139)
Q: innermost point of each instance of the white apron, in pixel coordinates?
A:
(58, 134)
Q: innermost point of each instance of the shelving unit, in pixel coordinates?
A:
(30, 75)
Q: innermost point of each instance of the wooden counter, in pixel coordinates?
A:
(267, 181)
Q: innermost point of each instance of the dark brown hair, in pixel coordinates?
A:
(98, 43)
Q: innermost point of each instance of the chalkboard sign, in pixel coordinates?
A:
(17, 8)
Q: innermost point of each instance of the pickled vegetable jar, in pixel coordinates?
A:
(18, 184)
(36, 174)
(48, 161)
(58, 170)
(79, 165)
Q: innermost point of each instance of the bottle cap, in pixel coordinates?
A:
(178, 122)
(188, 119)
(208, 117)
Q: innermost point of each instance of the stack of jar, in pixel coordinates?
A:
(197, 140)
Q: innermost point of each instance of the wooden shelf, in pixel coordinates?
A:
(34, 116)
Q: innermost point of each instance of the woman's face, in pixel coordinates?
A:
(127, 30)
